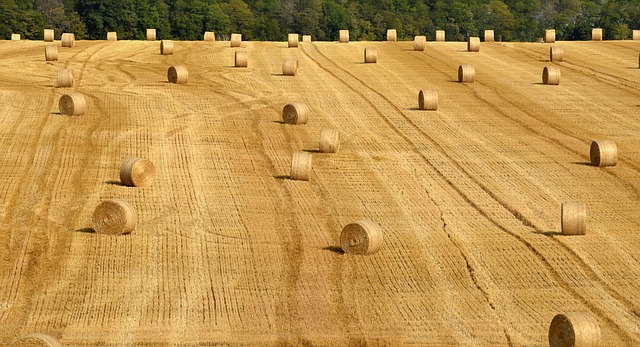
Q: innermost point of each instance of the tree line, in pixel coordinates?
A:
(272, 20)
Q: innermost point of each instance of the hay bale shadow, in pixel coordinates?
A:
(282, 177)
(547, 233)
(334, 249)
(115, 183)
(583, 163)
(86, 230)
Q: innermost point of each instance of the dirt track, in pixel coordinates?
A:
(229, 250)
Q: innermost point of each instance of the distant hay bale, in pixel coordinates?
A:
(428, 100)
(68, 40)
(51, 53)
(301, 163)
(344, 36)
(392, 35)
(555, 54)
(241, 59)
(636, 35)
(72, 104)
(166, 47)
(306, 38)
(603, 153)
(36, 340)
(329, 140)
(137, 172)
(473, 44)
(550, 35)
(466, 73)
(573, 218)
(48, 35)
(292, 40)
(488, 35)
(362, 237)
(236, 40)
(596, 34)
(551, 75)
(370, 55)
(440, 36)
(419, 43)
(178, 74)
(15, 37)
(151, 34)
(209, 36)
(540, 40)
(290, 67)
(65, 78)
(575, 329)
(112, 36)
(114, 217)
(295, 113)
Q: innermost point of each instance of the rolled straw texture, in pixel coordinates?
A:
(466, 73)
(428, 100)
(551, 75)
(178, 74)
(344, 36)
(36, 340)
(306, 38)
(114, 217)
(48, 35)
(362, 237)
(166, 47)
(329, 140)
(137, 172)
(440, 36)
(392, 35)
(290, 67)
(550, 35)
(596, 34)
(301, 163)
(72, 104)
(636, 35)
(209, 36)
(489, 35)
(574, 218)
(151, 34)
(576, 329)
(236, 40)
(241, 59)
(473, 44)
(603, 153)
(555, 54)
(51, 53)
(65, 78)
(292, 40)
(370, 55)
(15, 37)
(68, 40)
(419, 43)
(295, 113)
(112, 36)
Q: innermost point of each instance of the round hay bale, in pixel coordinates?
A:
(15, 37)
(370, 55)
(636, 35)
(574, 218)
(428, 100)
(603, 153)
(209, 36)
(151, 34)
(329, 140)
(473, 44)
(295, 113)
(596, 34)
(440, 36)
(72, 104)
(178, 74)
(555, 54)
(68, 40)
(551, 75)
(137, 172)
(241, 59)
(112, 36)
(166, 47)
(306, 38)
(392, 35)
(290, 67)
(488, 35)
(114, 217)
(301, 166)
(48, 35)
(65, 78)
(236, 40)
(362, 237)
(344, 36)
(576, 329)
(292, 40)
(36, 340)
(466, 73)
(550, 35)
(419, 43)
(51, 53)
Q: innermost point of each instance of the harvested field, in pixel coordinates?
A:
(229, 250)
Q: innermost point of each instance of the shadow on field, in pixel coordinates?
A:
(282, 177)
(114, 183)
(547, 233)
(583, 163)
(334, 249)
(277, 74)
(538, 83)
(311, 150)
(413, 108)
(278, 121)
(85, 230)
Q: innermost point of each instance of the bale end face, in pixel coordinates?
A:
(603, 153)
(36, 340)
(295, 113)
(114, 217)
(290, 67)
(551, 75)
(428, 100)
(344, 36)
(573, 218)
(362, 237)
(574, 329)
(301, 164)
(137, 172)
(72, 104)
(241, 59)
(370, 55)
(292, 41)
(473, 44)
(178, 74)
(466, 73)
(329, 141)
(392, 35)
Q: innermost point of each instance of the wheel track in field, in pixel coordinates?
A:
(525, 221)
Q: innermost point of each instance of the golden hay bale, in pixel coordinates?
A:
(114, 217)
(51, 53)
(466, 73)
(178, 74)
(362, 237)
(290, 67)
(166, 47)
(137, 172)
(550, 35)
(292, 40)
(295, 113)
(370, 55)
(596, 34)
(551, 75)
(392, 35)
(209, 36)
(329, 140)
(555, 54)
(576, 329)
(15, 37)
(636, 35)
(428, 100)
(36, 340)
(112, 36)
(603, 153)
(473, 44)
(48, 35)
(68, 40)
(301, 166)
(306, 38)
(72, 104)
(419, 43)
(488, 35)
(236, 40)
(344, 36)
(573, 218)
(151, 34)
(440, 36)
(241, 59)
(65, 78)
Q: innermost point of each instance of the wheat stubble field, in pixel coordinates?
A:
(229, 250)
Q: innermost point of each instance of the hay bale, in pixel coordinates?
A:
(576, 329)
(573, 218)
(292, 40)
(137, 172)
(48, 35)
(466, 73)
(603, 153)
(295, 113)
(428, 100)
(306, 38)
(596, 34)
(301, 166)
(550, 35)
(440, 36)
(68, 40)
(241, 59)
(419, 43)
(473, 44)
(236, 40)
(72, 104)
(551, 75)
(36, 340)
(209, 36)
(362, 237)
(178, 74)
(488, 35)
(290, 67)
(392, 35)
(636, 35)
(370, 55)
(555, 54)
(15, 37)
(166, 47)
(51, 53)
(112, 36)
(65, 78)
(151, 34)
(329, 140)
(344, 36)
(114, 217)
